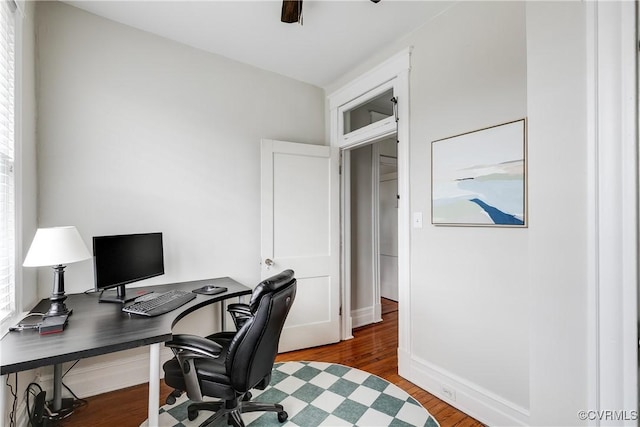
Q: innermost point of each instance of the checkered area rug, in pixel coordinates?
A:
(320, 394)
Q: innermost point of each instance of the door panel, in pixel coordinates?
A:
(293, 235)
(312, 300)
(300, 231)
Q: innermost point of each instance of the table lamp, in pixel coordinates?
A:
(56, 246)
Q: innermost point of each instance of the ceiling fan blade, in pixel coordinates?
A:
(291, 11)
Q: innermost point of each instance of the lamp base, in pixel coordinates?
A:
(58, 308)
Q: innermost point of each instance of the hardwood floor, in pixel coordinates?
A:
(373, 349)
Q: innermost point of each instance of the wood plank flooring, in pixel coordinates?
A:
(373, 349)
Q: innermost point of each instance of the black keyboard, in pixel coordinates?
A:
(160, 304)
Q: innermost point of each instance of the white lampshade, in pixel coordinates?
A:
(56, 246)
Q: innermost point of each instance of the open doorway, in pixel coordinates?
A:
(346, 104)
(374, 230)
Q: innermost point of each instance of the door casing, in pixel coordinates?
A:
(393, 73)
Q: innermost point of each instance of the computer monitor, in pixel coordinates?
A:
(127, 258)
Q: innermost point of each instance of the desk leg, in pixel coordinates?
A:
(57, 387)
(223, 317)
(154, 383)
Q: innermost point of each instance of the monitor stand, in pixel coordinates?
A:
(121, 295)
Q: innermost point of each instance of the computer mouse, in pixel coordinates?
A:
(210, 290)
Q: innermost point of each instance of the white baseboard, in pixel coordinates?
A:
(106, 373)
(481, 404)
(365, 316)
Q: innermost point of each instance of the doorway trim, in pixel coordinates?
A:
(612, 135)
(394, 72)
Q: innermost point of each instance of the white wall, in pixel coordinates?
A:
(556, 55)
(137, 133)
(469, 287)
(500, 314)
(470, 284)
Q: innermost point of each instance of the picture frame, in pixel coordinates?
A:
(479, 178)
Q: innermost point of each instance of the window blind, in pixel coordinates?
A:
(7, 159)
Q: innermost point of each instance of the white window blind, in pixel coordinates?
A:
(7, 143)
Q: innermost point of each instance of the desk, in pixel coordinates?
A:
(99, 328)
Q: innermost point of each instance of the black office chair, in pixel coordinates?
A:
(228, 365)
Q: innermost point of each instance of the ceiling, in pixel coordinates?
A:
(334, 38)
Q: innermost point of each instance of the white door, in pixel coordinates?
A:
(388, 228)
(389, 239)
(300, 231)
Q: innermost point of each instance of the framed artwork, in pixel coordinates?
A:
(480, 178)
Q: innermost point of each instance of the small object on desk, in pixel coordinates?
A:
(210, 290)
(160, 303)
(53, 324)
(25, 324)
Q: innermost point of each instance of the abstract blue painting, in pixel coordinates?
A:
(479, 178)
